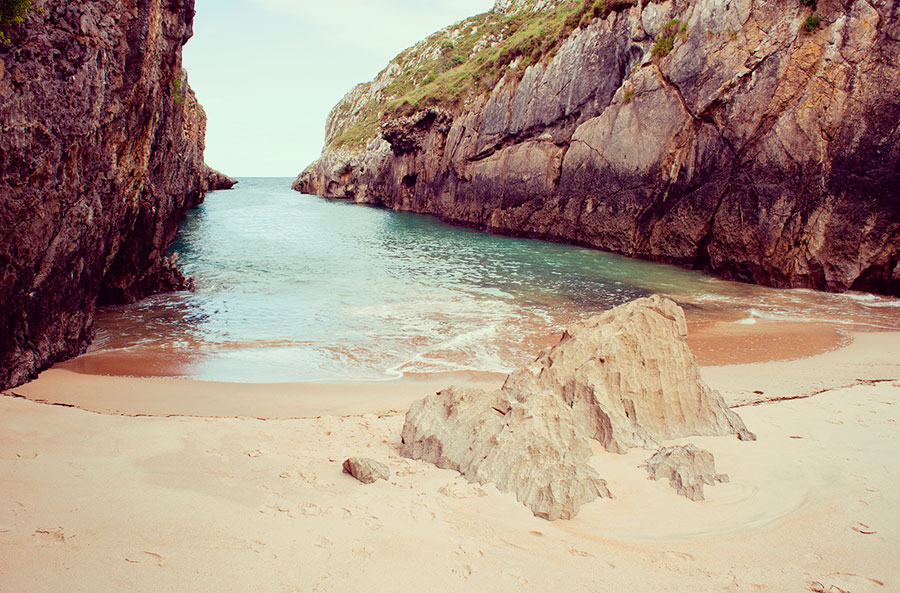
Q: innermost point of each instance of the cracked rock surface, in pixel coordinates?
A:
(625, 378)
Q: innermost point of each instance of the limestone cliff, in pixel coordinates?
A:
(756, 140)
(101, 154)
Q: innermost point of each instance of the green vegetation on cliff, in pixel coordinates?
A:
(464, 60)
(12, 12)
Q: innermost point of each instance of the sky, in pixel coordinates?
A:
(269, 71)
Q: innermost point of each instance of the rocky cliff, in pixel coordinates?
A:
(101, 154)
(756, 140)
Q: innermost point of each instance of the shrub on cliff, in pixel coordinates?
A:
(811, 22)
(666, 39)
(12, 12)
(178, 87)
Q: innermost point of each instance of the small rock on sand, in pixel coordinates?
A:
(687, 468)
(366, 470)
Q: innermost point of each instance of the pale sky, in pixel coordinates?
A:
(269, 71)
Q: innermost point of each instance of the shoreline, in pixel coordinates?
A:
(714, 341)
(167, 396)
(255, 501)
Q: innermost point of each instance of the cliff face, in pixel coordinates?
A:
(101, 154)
(741, 137)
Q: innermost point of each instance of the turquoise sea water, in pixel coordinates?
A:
(293, 287)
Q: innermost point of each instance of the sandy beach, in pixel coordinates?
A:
(142, 484)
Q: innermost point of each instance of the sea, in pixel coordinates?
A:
(293, 287)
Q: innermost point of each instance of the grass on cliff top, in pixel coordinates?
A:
(448, 69)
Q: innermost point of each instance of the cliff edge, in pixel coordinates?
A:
(101, 154)
(758, 141)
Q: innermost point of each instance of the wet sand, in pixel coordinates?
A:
(715, 339)
(100, 501)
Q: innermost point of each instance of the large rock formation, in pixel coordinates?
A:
(624, 378)
(744, 138)
(101, 155)
(630, 379)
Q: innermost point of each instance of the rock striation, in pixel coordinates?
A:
(687, 468)
(630, 378)
(101, 155)
(747, 139)
(531, 448)
(624, 378)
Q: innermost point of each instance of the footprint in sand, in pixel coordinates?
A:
(853, 581)
(407, 471)
(374, 523)
(361, 552)
(54, 537)
(513, 576)
(277, 509)
(463, 571)
(582, 553)
(670, 555)
(259, 547)
(817, 587)
(323, 585)
(420, 512)
(454, 490)
(308, 477)
(469, 549)
(862, 528)
(324, 542)
(311, 509)
(147, 558)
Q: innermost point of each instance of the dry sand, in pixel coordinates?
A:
(99, 501)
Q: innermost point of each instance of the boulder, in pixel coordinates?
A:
(366, 470)
(687, 468)
(534, 449)
(630, 378)
(624, 378)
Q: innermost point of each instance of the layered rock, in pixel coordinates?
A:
(101, 155)
(531, 448)
(687, 468)
(624, 378)
(756, 148)
(630, 378)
